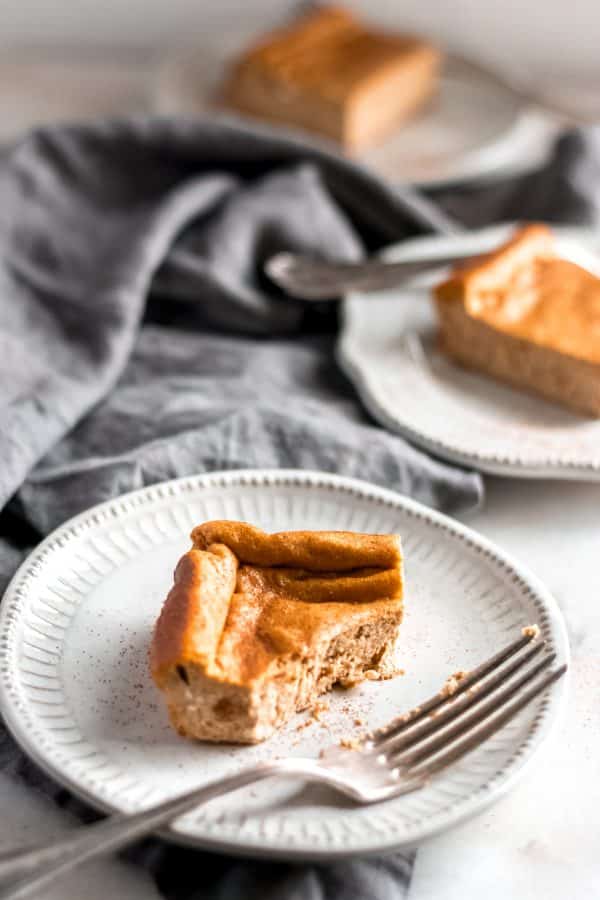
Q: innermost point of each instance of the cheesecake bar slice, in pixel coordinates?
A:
(330, 74)
(527, 317)
(258, 625)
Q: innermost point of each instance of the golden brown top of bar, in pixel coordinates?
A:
(331, 52)
(526, 290)
(242, 597)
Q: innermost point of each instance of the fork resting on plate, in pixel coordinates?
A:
(308, 278)
(398, 758)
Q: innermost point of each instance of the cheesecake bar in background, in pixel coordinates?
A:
(331, 74)
(527, 317)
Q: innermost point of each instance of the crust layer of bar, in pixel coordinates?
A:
(527, 317)
(257, 626)
(330, 74)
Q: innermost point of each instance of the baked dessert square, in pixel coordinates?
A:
(330, 74)
(527, 317)
(257, 626)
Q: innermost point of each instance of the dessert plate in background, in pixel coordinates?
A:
(75, 690)
(388, 349)
(476, 127)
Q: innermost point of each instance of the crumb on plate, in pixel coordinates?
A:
(320, 707)
(452, 683)
(351, 743)
(306, 723)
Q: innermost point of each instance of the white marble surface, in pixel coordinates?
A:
(541, 841)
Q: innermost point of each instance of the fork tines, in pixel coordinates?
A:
(470, 708)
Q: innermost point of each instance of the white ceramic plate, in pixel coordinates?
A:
(76, 621)
(387, 347)
(475, 128)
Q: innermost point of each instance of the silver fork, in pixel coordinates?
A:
(309, 278)
(393, 760)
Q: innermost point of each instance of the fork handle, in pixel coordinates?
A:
(317, 279)
(20, 874)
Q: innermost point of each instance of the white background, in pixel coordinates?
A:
(559, 37)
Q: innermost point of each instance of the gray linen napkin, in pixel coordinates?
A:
(139, 341)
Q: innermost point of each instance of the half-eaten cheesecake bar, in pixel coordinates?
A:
(258, 625)
(330, 74)
(527, 317)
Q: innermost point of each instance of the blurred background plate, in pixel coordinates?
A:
(476, 128)
(388, 349)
